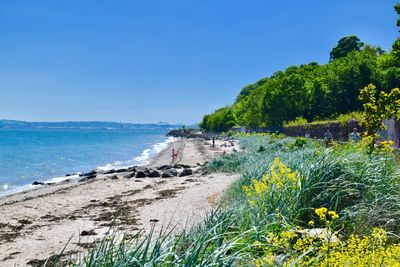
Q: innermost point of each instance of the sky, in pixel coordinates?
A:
(166, 60)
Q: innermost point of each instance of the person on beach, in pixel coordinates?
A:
(174, 155)
(213, 141)
(328, 138)
(355, 136)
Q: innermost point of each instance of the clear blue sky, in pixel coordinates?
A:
(165, 60)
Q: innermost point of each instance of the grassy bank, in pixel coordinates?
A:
(342, 119)
(296, 203)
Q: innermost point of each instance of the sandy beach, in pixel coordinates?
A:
(71, 217)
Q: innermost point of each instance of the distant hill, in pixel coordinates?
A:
(14, 124)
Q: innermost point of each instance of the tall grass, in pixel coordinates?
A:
(363, 189)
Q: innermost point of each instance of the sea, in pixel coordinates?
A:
(47, 153)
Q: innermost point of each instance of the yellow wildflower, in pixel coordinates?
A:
(247, 190)
(333, 214)
(321, 212)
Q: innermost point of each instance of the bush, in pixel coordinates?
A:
(298, 143)
(296, 122)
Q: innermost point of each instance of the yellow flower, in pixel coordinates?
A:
(247, 190)
(333, 215)
(259, 187)
(311, 223)
(321, 212)
(279, 176)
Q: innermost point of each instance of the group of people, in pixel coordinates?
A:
(229, 143)
(328, 137)
(353, 137)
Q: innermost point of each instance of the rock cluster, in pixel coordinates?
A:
(164, 171)
(187, 133)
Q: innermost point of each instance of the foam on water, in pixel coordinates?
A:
(62, 178)
(140, 160)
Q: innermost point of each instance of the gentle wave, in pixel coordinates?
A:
(7, 189)
(143, 158)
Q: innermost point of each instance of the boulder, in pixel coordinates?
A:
(120, 170)
(142, 169)
(37, 183)
(88, 232)
(87, 178)
(88, 173)
(181, 166)
(131, 169)
(114, 177)
(154, 174)
(91, 176)
(109, 171)
(164, 167)
(201, 170)
(130, 175)
(186, 172)
(169, 173)
(140, 174)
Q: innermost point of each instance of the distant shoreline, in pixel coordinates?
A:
(17, 124)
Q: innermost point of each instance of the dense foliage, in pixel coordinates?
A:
(346, 45)
(376, 109)
(312, 91)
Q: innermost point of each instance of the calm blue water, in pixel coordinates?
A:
(27, 155)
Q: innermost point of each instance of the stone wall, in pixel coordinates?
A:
(339, 132)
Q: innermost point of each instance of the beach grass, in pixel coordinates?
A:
(296, 204)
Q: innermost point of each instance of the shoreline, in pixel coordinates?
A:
(37, 224)
(71, 177)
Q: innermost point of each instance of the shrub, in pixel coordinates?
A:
(296, 122)
(298, 143)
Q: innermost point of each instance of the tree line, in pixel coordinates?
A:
(312, 91)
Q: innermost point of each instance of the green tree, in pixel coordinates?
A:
(220, 121)
(346, 76)
(346, 45)
(388, 71)
(313, 91)
(377, 108)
